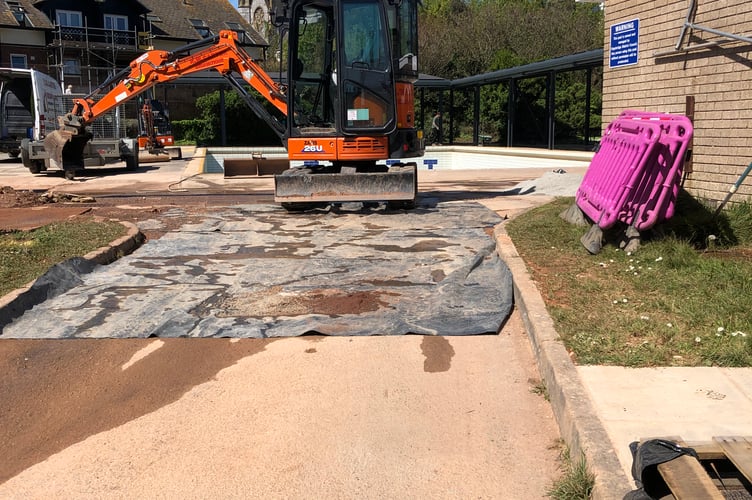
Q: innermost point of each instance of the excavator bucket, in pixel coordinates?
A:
(66, 144)
(54, 143)
(302, 186)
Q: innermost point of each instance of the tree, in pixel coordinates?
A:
(464, 38)
(459, 38)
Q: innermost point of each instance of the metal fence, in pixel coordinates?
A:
(119, 122)
(87, 35)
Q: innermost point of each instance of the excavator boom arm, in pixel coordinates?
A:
(222, 54)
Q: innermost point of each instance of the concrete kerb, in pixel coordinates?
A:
(15, 303)
(196, 166)
(579, 425)
(121, 246)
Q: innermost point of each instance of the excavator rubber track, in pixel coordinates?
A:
(306, 186)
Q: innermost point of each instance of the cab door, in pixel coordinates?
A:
(312, 69)
(365, 79)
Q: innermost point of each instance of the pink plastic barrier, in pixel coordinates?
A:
(634, 177)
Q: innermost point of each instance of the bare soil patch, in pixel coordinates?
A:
(319, 301)
(11, 198)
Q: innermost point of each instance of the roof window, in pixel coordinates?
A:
(19, 13)
(243, 36)
(200, 26)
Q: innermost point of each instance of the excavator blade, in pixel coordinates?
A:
(300, 185)
(153, 156)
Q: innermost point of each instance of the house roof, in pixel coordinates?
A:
(171, 18)
(34, 15)
(175, 15)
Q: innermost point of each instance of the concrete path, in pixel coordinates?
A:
(310, 417)
(695, 404)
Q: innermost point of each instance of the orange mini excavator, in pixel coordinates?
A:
(155, 139)
(346, 107)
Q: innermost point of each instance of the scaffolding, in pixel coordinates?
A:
(83, 57)
(89, 55)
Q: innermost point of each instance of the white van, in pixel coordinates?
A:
(30, 102)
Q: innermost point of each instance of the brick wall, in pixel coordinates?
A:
(719, 78)
(35, 56)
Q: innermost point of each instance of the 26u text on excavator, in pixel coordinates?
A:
(345, 107)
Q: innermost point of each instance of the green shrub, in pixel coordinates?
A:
(242, 126)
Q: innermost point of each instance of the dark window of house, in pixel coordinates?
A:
(72, 67)
(70, 18)
(201, 27)
(117, 29)
(18, 61)
(238, 28)
(114, 22)
(71, 24)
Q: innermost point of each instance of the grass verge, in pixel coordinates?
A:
(683, 299)
(26, 255)
(576, 483)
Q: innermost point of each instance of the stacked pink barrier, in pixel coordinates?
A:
(635, 175)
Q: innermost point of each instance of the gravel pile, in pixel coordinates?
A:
(557, 183)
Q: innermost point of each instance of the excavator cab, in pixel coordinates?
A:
(351, 66)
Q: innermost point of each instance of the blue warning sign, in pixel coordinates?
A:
(625, 42)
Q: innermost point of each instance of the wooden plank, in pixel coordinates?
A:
(687, 479)
(706, 450)
(738, 449)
